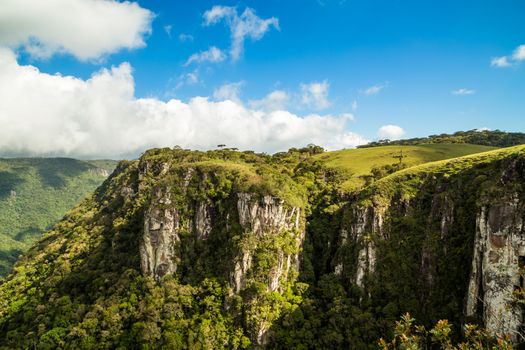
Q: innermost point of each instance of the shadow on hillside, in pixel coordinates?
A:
(32, 231)
(8, 182)
(54, 172)
(8, 258)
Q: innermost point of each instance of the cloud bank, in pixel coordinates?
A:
(86, 29)
(45, 115)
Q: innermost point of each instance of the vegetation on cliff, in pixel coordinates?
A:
(335, 271)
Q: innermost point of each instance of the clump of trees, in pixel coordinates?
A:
(409, 336)
(494, 138)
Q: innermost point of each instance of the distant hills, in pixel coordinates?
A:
(495, 138)
(35, 193)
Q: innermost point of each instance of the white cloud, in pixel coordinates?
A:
(229, 92)
(519, 53)
(213, 55)
(483, 129)
(185, 37)
(190, 78)
(247, 25)
(373, 89)
(500, 62)
(275, 100)
(354, 106)
(86, 29)
(463, 91)
(43, 114)
(217, 13)
(391, 132)
(517, 56)
(315, 95)
(167, 29)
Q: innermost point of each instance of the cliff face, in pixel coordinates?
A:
(460, 236)
(185, 249)
(184, 232)
(499, 251)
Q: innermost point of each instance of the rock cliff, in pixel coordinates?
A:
(459, 234)
(225, 249)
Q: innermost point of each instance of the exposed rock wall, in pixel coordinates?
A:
(499, 247)
(247, 224)
(498, 250)
(266, 216)
(160, 239)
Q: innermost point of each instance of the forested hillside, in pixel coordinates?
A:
(35, 193)
(225, 249)
(495, 138)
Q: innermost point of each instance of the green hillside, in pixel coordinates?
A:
(357, 165)
(231, 250)
(35, 193)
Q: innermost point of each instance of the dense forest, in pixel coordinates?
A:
(226, 249)
(35, 193)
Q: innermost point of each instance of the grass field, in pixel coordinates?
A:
(355, 164)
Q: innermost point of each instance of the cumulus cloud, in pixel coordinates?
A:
(373, 89)
(500, 62)
(463, 91)
(43, 114)
(519, 53)
(391, 132)
(86, 29)
(275, 100)
(517, 56)
(246, 25)
(229, 91)
(315, 95)
(213, 54)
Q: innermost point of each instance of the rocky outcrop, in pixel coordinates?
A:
(160, 238)
(497, 260)
(203, 219)
(259, 220)
(364, 223)
(266, 216)
(499, 251)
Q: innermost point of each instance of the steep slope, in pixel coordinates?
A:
(441, 240)
(159, 253)
(35, 193)
(223, 249)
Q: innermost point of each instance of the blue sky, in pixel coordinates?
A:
(424, 66)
